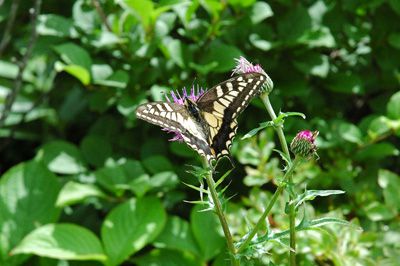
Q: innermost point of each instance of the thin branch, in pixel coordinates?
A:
(10, 23)
(101, 13)
(22, 65)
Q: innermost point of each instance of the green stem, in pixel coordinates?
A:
(271, 203)
(218, 209)
(292, 211)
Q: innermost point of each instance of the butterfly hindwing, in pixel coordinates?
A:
(222, 104)
(176, 118)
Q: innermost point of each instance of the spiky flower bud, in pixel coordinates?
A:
(304, 144)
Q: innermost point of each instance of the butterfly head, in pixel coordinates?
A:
(192, 107)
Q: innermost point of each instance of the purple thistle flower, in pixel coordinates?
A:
(304, 143)
(244, 66)
(194, 95)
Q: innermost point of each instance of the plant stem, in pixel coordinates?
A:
(218, 209)
(271, 203)
(292, 211)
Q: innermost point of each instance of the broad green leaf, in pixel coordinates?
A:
(313, 64)
(73, 54)
(377, 151)
(131, 226)
(390, 183)
(164, 180)
(113, 178)
(73, 192)
(182, 150)
(62, 241)
(379, 127)
(156, 164)
(207, 232)
(8, 70)
(222, 54)
(166, 257)
(395, 4)
(346, 83)
(176, 51)
(312, 194)
(85, 17)
(260, 43)
(177, 235)
(95, 150)
(54, 25)
(289, 31)
(143, 9)
(350, 133)
(393, 107)
(260, 11)
(377, 211)
(61, 157)
(394, 40)
(81, 73)
(28, 193)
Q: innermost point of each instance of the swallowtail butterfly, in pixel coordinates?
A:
(208, 125)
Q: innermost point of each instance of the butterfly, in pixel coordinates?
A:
(208, 124)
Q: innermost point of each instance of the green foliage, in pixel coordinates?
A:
(83, 179)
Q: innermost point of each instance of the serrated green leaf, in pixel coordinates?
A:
(312, 194)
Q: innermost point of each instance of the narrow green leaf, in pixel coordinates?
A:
(62, 241)
(312, 194)
(281, 117)
(254, 131)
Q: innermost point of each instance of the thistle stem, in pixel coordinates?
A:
(271, 203)
(220, 213)
(292, 211)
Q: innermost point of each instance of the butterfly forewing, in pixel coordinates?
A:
(176, 118)
(210, 133)
(222, 104)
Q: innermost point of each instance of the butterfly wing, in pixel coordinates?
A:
(175, 117)
(223, 103)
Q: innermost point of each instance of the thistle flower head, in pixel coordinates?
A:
(244, 66)
(194, 95)
(304, 143)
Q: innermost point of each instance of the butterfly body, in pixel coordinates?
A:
(208, 125)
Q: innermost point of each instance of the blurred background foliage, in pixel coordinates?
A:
(85, 183)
